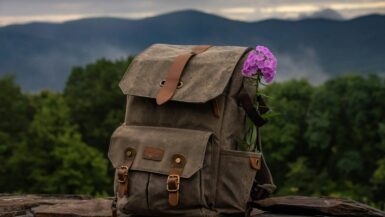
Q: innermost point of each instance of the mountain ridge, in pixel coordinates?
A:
(41, 54)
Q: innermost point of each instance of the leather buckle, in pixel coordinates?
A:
(173, 182)
(122, 174)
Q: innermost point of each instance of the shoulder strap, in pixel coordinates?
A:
(172, 80)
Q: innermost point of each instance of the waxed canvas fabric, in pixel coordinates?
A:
(204, 78)
(217, 179)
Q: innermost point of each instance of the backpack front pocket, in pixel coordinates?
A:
(165, 174)
(237, 170)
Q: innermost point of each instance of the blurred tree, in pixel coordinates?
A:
(328, 140)
(96, 102)
(283, 137)
(52, 158)
(15, 114)
(343, 132)
(15, 111)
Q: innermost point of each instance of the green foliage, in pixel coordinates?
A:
(52, 156)
(15, 111)
(323, 140)
(328, 140)
(15, 115)
(52, 142)
(285, 132)
(96, 102)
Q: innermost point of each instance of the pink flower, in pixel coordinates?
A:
(250, 65)
(260, 60)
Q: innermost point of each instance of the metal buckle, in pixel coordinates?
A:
(122, 177)
(177, 182)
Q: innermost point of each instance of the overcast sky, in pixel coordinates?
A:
(22, 11)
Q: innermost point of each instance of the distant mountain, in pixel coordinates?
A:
(42, 54)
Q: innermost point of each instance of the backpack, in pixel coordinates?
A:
(176, 152)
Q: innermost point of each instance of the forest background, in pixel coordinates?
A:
(326, 139)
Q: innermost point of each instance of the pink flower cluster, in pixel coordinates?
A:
(260, 60)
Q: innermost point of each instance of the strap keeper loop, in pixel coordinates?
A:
(122, 174)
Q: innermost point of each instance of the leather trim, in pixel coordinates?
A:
(178, 162)
(123, 170)
(173, 77)
(255, 163)
(152, 153)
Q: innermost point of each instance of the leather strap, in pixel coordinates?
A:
(262, 107)
(122, 187)
(215, 108)
(173, 180)
(175, 72)
(252, 113)
(263, 184)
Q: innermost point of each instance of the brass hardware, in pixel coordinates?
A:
(162, 83)
(180, 84)
(173, 178)
(128, 153)
(178, 160)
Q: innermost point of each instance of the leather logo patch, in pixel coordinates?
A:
(151, 153)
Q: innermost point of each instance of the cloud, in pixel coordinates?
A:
(303, 64)
(358, 6)
(299, 8)
(5, 20)
(346, 8)
(61, 62)
(21, 11)
(237, 10)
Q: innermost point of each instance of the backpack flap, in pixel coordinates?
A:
(155, 146)
(204, 77)
(166, 169)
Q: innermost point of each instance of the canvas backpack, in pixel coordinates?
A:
(176, 152)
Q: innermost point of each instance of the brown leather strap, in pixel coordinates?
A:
(215, 108)
(252, 113)
(167, 91)
(173, 180)
(122, 187)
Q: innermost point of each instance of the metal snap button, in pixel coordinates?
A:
(128, 153)
(178, 160)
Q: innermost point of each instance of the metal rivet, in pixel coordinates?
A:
(128, 153)
(180, 84)
(162, 83)
(178, 160)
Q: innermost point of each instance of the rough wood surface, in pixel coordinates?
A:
(317, 206)
(81, 206)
